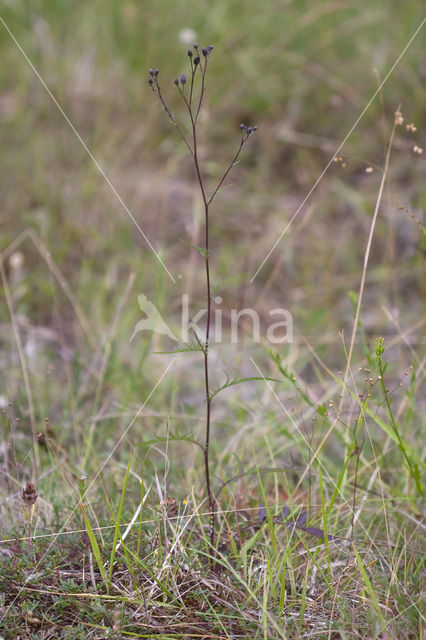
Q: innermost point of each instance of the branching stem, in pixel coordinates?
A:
(199, 65)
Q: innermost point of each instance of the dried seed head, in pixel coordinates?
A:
(29, 494)
(399, 118)
(170, 506)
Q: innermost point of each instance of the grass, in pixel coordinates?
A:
(319, 476)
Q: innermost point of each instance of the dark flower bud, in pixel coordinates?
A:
(255, 127)
(183, 78)
(190, 54)
(156, 73)
(151, 72)
(249, 130)
(205, 52)
(150, 81)
(197, 60)
(210, 47)
(242, 126)
(176, 82)
(195, 46)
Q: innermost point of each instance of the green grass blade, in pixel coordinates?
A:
(117, 526)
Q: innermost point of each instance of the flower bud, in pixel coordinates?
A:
(176, 81)
(242, 126)
(190, 54)
(151, 72)
(183, 78)
(205, 52)
(197, 60)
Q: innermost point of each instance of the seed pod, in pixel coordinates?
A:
(29, 494)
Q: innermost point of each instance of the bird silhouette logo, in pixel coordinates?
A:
(153, 321)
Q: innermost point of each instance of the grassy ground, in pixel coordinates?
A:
(318, 474)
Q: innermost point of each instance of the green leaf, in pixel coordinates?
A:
(232, 383)
(193, 246)
(191, 347)
(95, 547)
(117, 527)
(171, 437)
(368, 585)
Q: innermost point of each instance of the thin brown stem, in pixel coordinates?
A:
(206, 346)
(194, 112)
(172, 120)
(227, 171)
(203, 80)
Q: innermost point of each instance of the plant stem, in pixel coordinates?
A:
(412, 466)
(194, 112)
(206, 345)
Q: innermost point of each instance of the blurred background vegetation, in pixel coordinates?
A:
(303, 72)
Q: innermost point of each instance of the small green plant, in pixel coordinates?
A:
(403, 446)
(192, 90)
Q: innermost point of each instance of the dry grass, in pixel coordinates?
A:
(125, 553)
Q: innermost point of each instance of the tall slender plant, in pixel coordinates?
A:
(192, 89)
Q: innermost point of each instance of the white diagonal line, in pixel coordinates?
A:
(341, 146)
(90, 485)
(70, 532)
(86, 148)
